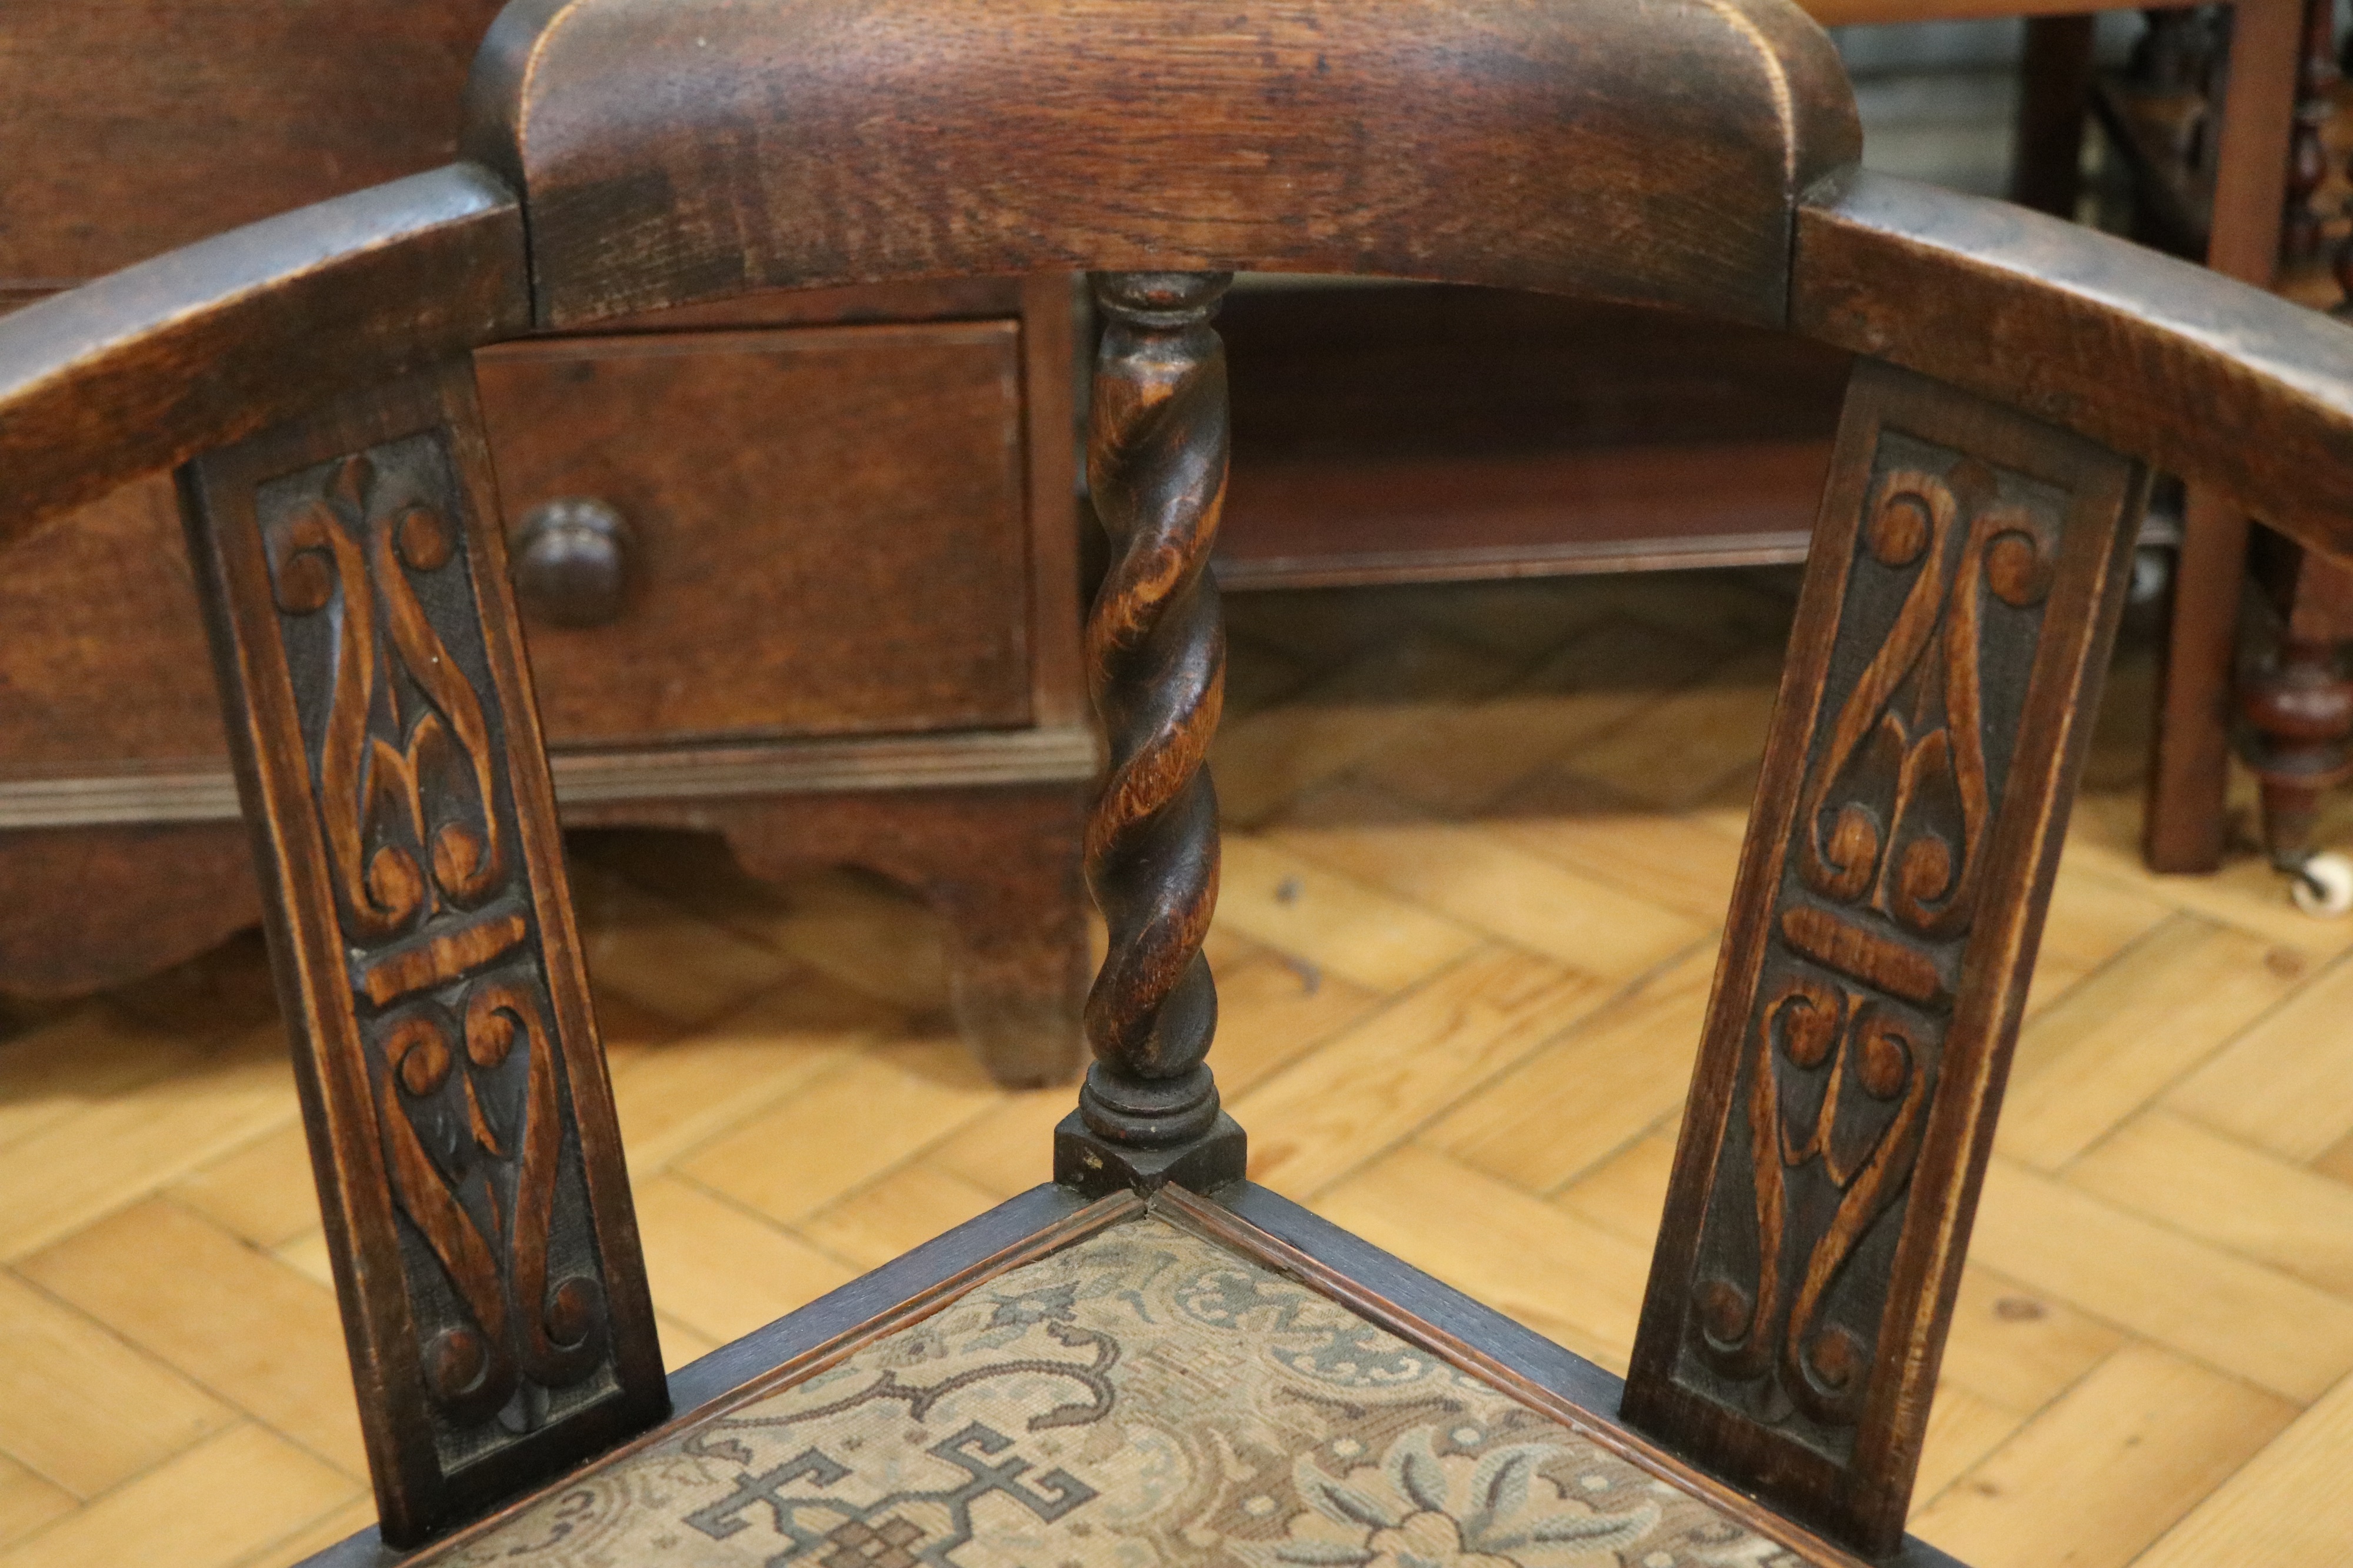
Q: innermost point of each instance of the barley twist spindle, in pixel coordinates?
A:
(1157, 451)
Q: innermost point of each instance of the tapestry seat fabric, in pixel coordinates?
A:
(1142, 1398)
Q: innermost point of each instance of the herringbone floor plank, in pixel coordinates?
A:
(1479, 844)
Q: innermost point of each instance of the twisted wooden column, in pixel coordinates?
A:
(1157, 451)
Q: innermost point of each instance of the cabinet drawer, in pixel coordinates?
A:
(824, 527)
(830, 537)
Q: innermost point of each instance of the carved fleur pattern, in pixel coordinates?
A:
(1419, 1509)
(374, 593)
(1880, 886)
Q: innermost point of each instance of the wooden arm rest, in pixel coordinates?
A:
(153, 364)
(2195, 373)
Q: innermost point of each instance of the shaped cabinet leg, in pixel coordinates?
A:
(1001, 866)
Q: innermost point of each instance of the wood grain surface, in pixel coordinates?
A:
(1408, 1044)
(1649, 154)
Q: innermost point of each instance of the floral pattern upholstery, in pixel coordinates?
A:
(1141, 1398)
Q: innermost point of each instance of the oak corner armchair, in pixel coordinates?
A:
(1149, 1359)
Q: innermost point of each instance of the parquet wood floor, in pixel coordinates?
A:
(1479, 842)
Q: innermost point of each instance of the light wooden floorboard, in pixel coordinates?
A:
(1478, 846)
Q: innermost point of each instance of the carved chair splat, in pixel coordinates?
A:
(1038, 1376)
(354, 573)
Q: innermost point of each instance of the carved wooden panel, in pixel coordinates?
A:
(461, 1124)
(1959, 609)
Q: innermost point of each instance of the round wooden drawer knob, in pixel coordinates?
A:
(572, 561)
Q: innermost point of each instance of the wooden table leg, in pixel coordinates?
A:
(2298, 703)
(2189, 769)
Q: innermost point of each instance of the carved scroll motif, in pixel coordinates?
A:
(401, 726)
(1952, 568)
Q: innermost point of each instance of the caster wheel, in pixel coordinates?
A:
(2323, 886)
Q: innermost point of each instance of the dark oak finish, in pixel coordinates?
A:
(477, 1208)
(1158, 447)
(1964, 584)
(1648, 153)
(1954, 625)
(154, 363)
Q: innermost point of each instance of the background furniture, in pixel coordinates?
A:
(823, 600)
(2293, 712)
(1388, 437)
(1967, 577)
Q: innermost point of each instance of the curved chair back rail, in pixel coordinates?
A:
(1650, 152)
(2193, 373)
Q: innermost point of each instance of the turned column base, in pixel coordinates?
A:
(2299, 713)
(1093, 1165)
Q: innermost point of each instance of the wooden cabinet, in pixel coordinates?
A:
(798, 569)
(824, 527)
(1415, 432)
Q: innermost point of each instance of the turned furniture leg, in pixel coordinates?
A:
(1156, 459)
(2299, 710)
(2297, 705)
